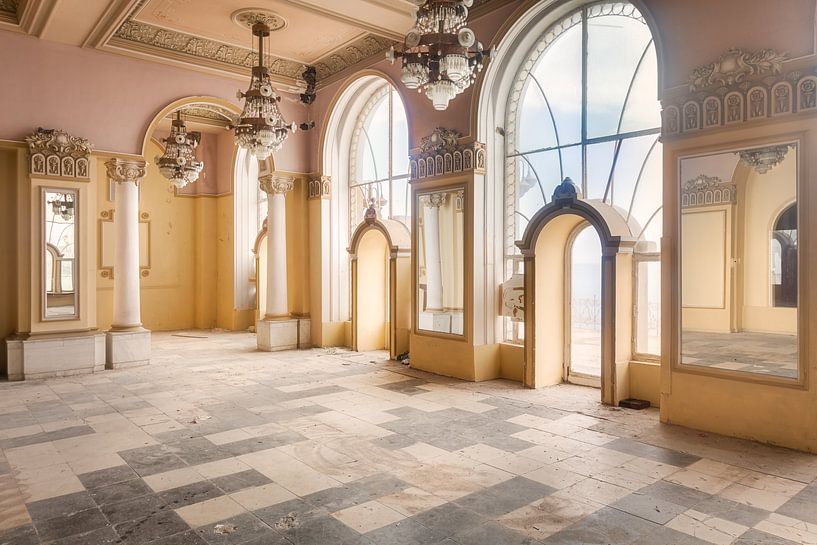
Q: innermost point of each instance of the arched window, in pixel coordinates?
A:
(584, 105)
(378, 159)
(784, 259)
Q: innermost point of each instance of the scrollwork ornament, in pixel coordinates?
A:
(735, 66)
(125, 170)
(441, 138)
(275, 184)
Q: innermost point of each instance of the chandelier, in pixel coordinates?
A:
(441, 56)
(63, 206)
(261, 129)
(178, 164)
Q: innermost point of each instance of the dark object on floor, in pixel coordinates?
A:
(637, 404)
(403, 358)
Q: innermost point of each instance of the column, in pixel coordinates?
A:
(278, 330)
(431, 235)
(127, 343)
(277, 301)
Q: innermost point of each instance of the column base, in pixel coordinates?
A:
(290, 334)
(45, 355)
(127, 348)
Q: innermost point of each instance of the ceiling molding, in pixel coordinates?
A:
(357, 23)
(483, 7)
(36, 15)
(117, 12)
(351, 54)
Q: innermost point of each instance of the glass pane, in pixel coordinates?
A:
(739, 261)
(400, 144)
(400, 209)
(643, 111)
(557, 76)
(585, 304)
(649, 196)
(59, 244)
(599, 163)
(615, 45)
(373, 144)
(440, 261)
(648, 308)
(631, 157)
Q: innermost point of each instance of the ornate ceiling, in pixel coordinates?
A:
(334, 36)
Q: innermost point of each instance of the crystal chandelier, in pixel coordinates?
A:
(261, 129)
(178, 164)
(441, 56)
(63, 206)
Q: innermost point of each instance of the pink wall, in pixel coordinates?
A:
(109, 99)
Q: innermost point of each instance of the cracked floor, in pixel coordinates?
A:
(216, 443)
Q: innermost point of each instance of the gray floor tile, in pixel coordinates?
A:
(239, 481)
(120, 492)
(134, 509)
(405, 532)
(649, 508)
(505, 497)
(70, 525)
(803, 505)
(151, 460)
(756, 537)
(22, 535)
(146, 530)
(733, 511)
(190, 494)
(656, 454)
(449, 519)
(61, 506)
(492, 533)
(100, 536)
(107, 477)
(675, 493)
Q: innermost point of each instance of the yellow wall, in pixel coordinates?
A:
(372, 291)
(8, 246)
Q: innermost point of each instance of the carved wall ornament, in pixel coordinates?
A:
(445, 152)
(735, 66)
(276, 184)
(247, 17)
(763, 92)
(706, 190)
(54, 152)
(125, 170)
(762, 160)
(320, 188)
(433, 200)
(370, 215)
(441, 138)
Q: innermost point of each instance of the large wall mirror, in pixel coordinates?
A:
(440, 231)
(60, 282)
(739, 261)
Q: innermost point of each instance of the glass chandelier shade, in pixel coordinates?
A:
(178, 164)
(261, 129)
(441, 56)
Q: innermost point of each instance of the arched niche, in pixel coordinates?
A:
(380, 251)
(543, 247)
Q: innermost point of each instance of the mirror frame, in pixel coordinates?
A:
(417, 192)
(44, 190)
(676, 363)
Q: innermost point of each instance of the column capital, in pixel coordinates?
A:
(320, 188)
(433, 200)
(126, 170)
(276, 184)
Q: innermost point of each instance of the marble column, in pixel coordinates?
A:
(278, 330)
(277, 298)
(431, 236)
(127, 343)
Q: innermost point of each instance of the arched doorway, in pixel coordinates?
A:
(380, 252)
(546, 247)
(583, 307)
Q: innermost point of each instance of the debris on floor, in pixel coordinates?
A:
(224, 529)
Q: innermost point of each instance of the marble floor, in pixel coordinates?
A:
(215, 443)
(762, 353)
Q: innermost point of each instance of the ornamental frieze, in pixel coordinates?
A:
(54, 152)
(706, 190)
(446, 152)
(737, 88)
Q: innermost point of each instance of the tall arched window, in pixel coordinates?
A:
(584, 105)
(784, 258)
(378, 159)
